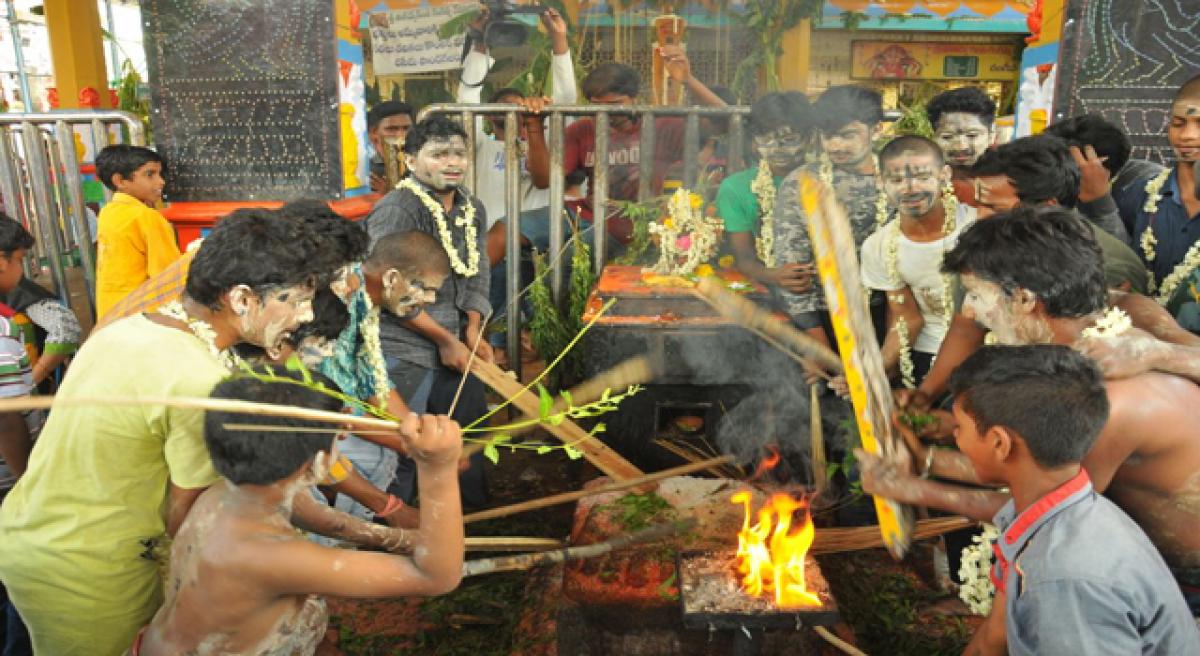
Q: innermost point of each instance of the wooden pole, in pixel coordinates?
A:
(489, 543)
(605, 459)
(817, 435)
(567, 497)
(634, 371)
(744, 312)
(530, 560)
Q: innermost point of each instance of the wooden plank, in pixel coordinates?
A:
(870, 393)
(605, 459)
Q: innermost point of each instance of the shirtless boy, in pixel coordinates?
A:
(1034, 277)
(243, 581)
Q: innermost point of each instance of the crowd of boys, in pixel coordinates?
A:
(1073, 437)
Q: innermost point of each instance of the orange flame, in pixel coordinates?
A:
(771, 554)
(769, 462)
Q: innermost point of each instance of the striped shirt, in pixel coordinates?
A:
(16, 379)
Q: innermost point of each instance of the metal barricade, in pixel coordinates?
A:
(598, 184)
(42, 187)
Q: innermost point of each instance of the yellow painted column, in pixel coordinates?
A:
(76, 51)
(793, 64)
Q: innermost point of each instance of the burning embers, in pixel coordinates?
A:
(770, 582)
(771, 554)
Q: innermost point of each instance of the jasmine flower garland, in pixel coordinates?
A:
(977, 589)
(892, 258)
(372, 351)
(1154, 191)
(203, 332)
(763, 188)
(465, 221)
(1180, 273)
(1113, 323)
(907, 371)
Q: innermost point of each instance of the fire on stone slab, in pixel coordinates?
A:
(770, 581)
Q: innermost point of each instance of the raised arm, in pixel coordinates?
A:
(563, 90)
(435, 566)
(676, 63)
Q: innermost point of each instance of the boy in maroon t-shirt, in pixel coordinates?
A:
(618, 84)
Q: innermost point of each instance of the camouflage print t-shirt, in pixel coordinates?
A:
(856, 192)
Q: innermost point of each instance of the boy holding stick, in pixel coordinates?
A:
(243, 581)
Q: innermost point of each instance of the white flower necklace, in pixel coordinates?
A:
(907, 369)
(1148, 241)
(763, 188)
(1154, 191)
(203, 332)
(975, 571)
(1111, 324)
(466, 221)
(1180, 273)
(369, 330)
(892, 255)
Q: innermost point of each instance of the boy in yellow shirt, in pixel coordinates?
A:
(135, 241)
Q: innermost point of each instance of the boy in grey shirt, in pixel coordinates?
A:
(1073, 573)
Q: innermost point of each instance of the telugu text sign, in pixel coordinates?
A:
(406, 41)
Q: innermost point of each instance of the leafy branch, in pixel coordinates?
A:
(498, 436)
(769, 20)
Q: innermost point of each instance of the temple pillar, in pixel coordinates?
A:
(792, 65)
(77, 54)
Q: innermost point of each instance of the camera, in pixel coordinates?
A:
(503, 31)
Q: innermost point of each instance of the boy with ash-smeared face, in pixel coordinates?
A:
(904, 258)
(848, 118)
(427, 350)
(781, 125)
(963, 122)
(1034, 277)
(107, 483)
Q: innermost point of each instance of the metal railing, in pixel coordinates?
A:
(598, 183)
(43, 189)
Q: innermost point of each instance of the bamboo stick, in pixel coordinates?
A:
(505, 543)
(567, 497)
(838, 540)
(694, 454)
(605, 459)
(199, 403)
(530, 560)
(745, 313)
(817, 434)
(634, 371)
(845, 647)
